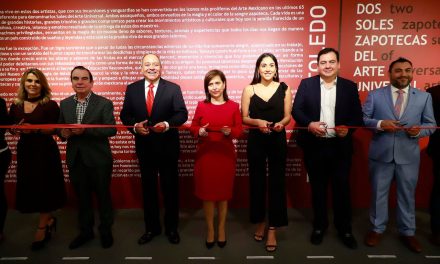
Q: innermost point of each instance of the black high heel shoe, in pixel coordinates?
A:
(221, 244)
(37, 245)
(209, 245)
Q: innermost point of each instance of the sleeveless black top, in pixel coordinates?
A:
(273, 109)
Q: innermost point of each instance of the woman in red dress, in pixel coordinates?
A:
(217, 120)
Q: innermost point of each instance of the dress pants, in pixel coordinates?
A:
(273, 149)
(87, 180)
(406, 176)
(164, 166)
(328, 161)
(5, 160)
(434, 205)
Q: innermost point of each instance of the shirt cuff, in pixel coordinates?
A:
(378, 125)
(416, 136)
(167, 126)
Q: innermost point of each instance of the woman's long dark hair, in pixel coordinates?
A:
(257, 77)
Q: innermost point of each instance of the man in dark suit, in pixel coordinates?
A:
(434, 153)
(154, 107)
(326, 104)
(5, 160)
(88, 155)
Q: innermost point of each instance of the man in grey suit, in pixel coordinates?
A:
(395, 113)
(88, 155)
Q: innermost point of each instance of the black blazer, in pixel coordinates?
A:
(4, 120)
(307, 108)
(434, 140)
(168, 106)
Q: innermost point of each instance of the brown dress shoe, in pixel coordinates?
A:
(372, 238)
(411, 243)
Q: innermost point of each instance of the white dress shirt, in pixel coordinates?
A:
(328, 103)
(394, 95)
(156, 84)
(147, 83)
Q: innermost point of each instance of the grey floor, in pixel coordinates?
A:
(293, 242)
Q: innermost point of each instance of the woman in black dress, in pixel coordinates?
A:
(40, 179)
(5, 160)
(266, 105)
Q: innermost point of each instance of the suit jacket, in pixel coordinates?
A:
(434, 139)
(93, 145)
(398, 146)
(4, 120)
(307, 108)
(168, 106)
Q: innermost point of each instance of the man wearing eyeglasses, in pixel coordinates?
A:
(327, 105)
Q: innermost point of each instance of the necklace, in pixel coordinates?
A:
(29, 106)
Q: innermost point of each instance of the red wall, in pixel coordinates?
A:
(192, 37)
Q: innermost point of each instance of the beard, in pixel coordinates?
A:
(401, 82)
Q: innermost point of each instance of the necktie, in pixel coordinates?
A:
(399, 102)
(150, 98)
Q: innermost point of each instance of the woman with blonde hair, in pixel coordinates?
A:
(40, 179)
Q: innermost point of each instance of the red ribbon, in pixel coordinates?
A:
(183, 127)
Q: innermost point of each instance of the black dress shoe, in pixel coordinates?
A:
(209, 245)
(173, 237)
(316, 237)
(434, 239)
(348, 240)
(80, 240)
(106, 240)
(37, 245)
(147, 237)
